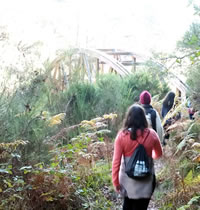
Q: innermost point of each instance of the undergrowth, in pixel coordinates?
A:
(77, 176)
(180, 179)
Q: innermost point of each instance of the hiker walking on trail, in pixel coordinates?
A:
(168, 103)
(136, 192)
(152, 115)
(191, 110)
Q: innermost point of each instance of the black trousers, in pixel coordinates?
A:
(135, 204)
(138, 204)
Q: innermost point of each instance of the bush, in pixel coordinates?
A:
(193, 81)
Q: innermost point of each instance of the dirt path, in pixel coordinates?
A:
(159, 164)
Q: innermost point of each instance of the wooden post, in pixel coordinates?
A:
(102, 69)
(97, 74)
(87, 65)
(134, 65)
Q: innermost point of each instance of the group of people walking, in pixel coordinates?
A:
(142, 126)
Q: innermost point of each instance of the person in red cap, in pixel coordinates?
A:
(152, 115)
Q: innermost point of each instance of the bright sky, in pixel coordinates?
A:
(137, 25)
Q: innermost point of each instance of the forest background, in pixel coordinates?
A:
(56, 145)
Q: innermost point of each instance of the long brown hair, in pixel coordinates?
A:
(135, 120)
(169, 100)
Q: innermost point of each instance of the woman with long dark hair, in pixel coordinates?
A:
(136, 193)
(168, 103)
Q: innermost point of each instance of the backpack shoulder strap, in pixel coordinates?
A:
(153, 118)
(139, 143)
(146, 137)
(150, 110)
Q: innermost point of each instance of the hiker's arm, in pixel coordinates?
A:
(116, 160)
(159, 127)
(157, 148)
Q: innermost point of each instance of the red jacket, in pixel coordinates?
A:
(124, 145)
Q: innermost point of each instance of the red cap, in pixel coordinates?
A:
(145, 97)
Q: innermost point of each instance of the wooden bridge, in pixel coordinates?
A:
(88, 64)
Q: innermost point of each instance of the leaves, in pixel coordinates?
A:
(181, 145)
(8, 183)
(196, 146)
(26, 167)
(189, 178)
(184, 207)
(196, 159)
(4, 171)
(194, 199)
(56, 119)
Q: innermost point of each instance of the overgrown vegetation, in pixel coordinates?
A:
(75, 177)
(56, 143)
(52, 155)
(179, 179)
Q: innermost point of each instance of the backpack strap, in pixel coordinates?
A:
(150, 110)
(153, 119)
(145, 137)
(139, 144)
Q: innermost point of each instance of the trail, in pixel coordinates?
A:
(159, 165)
